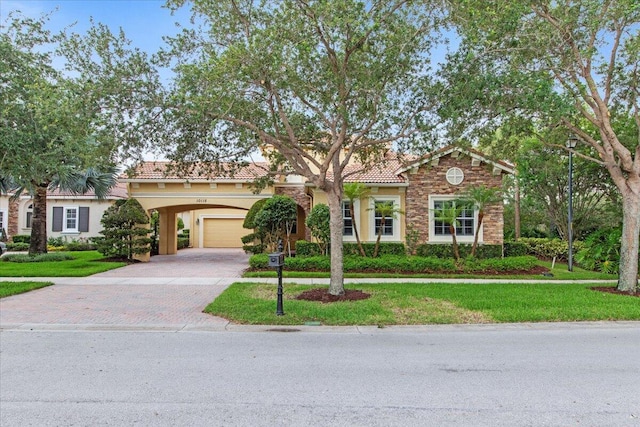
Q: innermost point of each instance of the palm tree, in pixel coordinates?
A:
(481, 197)
(386, 210)
(449, 216)
(355, 191)
(72, 180)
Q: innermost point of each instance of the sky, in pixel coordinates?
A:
(143, 21)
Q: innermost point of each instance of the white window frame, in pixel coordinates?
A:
(4, 220)
(395, 237)
(448, 238)
(65, 228)
(28, 219)
(356, 212)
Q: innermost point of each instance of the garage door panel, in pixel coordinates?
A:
(223, 232)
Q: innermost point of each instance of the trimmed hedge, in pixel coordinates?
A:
(21, 258)
(399, 264)
(183, 242)
(76, 246)
(445, 250)
(307, 249)
(515, 249)
(21, 238)
(18, 247)
(549, 248)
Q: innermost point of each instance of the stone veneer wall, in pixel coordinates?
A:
(298, 194)
(432, 180)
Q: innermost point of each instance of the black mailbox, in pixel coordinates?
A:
(276, 259)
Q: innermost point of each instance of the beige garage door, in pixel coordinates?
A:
(223, 232)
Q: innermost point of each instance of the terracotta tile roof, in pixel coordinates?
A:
(163, 170)
(384, 173)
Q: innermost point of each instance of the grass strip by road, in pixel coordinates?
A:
(14, 288)
(559, 272)
(84, 264)
(418, 304)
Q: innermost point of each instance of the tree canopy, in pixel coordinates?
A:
(556, 68)
(316, 84)
(58, 124)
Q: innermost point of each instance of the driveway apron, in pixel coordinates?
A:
(169, 292)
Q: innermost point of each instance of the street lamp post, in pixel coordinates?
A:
(571, 144)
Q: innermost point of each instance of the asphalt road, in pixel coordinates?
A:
(506, 375)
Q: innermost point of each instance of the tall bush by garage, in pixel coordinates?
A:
(276, 219)
(124, 234)
(318, 224)
(253, 242)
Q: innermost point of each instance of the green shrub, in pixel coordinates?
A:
(21, 258)
(18, 247)
(56, 241)
(185, 232)
(515, 249)
(499, 265)
(254, 249)
(79, 245)
(401, 264)
(549, 248)
(600, 251)
(259, 261)
(386, 248)
(445, 250)
(305, 249)
(21, 238)
(183, 242)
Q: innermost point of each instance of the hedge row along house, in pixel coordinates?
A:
(213, 208)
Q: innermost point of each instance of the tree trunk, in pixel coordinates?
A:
(355, 229)
(336, 283)
(456, 252)
(628, 273)
(516, 207)
(38, 243)
(475, 239)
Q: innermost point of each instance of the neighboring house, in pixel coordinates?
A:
(215, 207)
(69, 215)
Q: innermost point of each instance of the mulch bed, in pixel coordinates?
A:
(612, 290)
(322, 295)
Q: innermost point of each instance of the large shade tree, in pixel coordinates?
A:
(61, 125)
(569, 67)
(320, 83)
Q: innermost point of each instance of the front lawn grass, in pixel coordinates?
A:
(559, 272)
(84, 264)
(14, 288)
(418, 304)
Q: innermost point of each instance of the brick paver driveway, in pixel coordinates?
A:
(168, 292)
(188, 263)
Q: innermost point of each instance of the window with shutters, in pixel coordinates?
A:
(70, 219)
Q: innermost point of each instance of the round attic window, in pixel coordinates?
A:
(455, 176)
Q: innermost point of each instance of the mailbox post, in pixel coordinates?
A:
(276, 260)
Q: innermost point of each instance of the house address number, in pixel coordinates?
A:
(201, 200)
